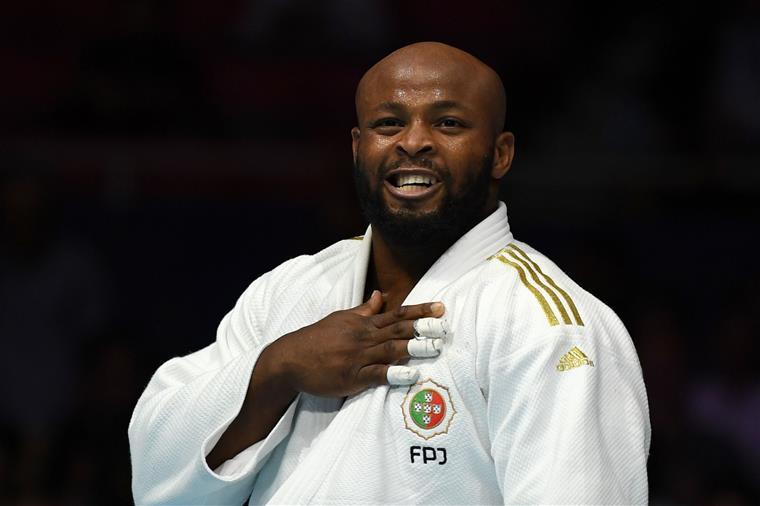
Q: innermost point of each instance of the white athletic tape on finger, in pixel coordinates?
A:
(424, 348)
(430, 327)
(400, 375)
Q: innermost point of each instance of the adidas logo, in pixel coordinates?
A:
(572, 359)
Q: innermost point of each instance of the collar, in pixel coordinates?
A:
(472, 249)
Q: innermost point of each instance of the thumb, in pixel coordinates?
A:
(372, 306)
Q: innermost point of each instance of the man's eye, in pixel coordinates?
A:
(450, 123)
(387, 122)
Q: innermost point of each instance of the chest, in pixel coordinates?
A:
(435, 431)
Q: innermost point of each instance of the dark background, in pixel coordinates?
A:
(157, 156)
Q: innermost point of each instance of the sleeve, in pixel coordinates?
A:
(569, 423)
(188, 404)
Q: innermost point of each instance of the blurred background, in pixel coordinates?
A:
(157, 156)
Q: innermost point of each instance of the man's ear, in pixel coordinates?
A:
(504, 153)
(355, 134)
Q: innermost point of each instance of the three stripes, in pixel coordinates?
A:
(526, 267)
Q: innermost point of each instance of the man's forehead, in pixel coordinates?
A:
(430, 83)
(429, 72)
(410, 70)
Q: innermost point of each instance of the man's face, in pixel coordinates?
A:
(423, 153)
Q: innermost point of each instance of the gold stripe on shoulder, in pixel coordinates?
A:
(537, 280)
(357, 238)
(549, 280)
(539, 297)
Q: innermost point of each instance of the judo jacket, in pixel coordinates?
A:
(536, 398)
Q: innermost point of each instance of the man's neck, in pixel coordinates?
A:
(394, 269)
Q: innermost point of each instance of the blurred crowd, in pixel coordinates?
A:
(156, 157)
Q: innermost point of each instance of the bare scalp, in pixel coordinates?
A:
(435, 62)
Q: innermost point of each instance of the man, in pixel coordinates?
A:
(475, 371)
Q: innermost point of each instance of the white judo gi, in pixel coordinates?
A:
(537, 396)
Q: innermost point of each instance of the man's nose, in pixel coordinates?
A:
(416, 139)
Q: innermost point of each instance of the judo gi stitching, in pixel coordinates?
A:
(539, 297)
(564, 294)
(521, 262)
(555, 299)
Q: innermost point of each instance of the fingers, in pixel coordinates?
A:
(395, 350)
(401, 375)
(424, 348)
(430, 327)
(372, 306)
(401, 313)
(388, 352)
(376, 374)
(424, 328)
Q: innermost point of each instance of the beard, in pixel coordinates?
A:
(456, 215)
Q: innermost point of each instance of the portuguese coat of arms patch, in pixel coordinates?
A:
(428, 409)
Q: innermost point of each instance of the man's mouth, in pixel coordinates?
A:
(412, 183)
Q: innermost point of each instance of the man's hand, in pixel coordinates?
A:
(342, 354)
(349, 351)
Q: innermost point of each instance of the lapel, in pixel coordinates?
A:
(473, 248)
(348, 290)
(483, 240)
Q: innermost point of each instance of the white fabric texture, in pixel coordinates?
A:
(543, 397)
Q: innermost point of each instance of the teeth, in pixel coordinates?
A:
(414, 179)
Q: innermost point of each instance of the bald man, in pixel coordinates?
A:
(433, 360)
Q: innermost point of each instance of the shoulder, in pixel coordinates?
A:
(325, 266)
(303, 280)
(315, 272)
(530, 299)
(329, 262)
